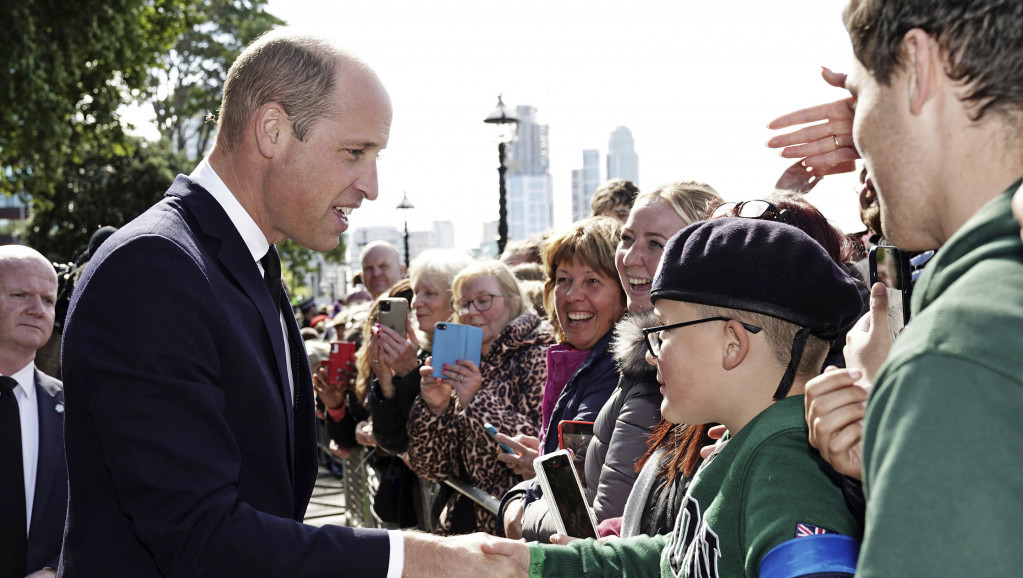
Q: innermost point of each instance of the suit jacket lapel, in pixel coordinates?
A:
(237, 261)
(51, 443)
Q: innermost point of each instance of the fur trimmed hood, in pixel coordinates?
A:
(629, 347)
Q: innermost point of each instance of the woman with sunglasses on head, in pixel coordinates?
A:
(674, 449)
(446, 437)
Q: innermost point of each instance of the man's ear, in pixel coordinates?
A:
(925, 66)
(736, 345)
(270, 123)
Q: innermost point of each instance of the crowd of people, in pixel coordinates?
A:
(753, 413)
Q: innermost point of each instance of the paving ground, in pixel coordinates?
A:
(327, 505)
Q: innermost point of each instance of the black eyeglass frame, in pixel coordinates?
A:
(464, 309)
(772, 212)
(656, 331)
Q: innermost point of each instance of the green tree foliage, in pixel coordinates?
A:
(68, 67)
(188, 86)
(297, 263)
(102, 189)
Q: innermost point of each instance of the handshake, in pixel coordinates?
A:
(469, 555)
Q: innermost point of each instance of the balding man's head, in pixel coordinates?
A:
(381, 267)
(28, 294)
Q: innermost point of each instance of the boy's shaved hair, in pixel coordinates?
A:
(780, 335)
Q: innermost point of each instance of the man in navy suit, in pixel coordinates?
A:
(191, 448)
(34, 477)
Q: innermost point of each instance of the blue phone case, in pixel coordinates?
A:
(493, 434)
(454, 341)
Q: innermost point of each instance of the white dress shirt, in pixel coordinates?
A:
(257, 244)
(28, 410)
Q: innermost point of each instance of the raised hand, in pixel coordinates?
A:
(436, 393)
(333, 395)
(825, 148)
(465, 377)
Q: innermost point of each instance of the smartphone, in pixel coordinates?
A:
(341, 353)
(454, 341)
(890, 266)
(492, 431)
(564, 495)
(575, 436)
(394, 314)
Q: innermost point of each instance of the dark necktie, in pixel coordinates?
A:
(272, 277)
(272, 274)
(13, 525)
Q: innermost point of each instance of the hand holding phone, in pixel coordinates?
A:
(394, 314)
(454, 341)
(492, 432)
(890, 266)
(564, 494)
(338, 369)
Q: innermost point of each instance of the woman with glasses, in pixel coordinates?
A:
(445, 430)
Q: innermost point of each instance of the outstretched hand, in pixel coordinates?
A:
(826, 148)
(430, 556)
(515, 551)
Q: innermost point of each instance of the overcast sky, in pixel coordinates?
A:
(696, 82)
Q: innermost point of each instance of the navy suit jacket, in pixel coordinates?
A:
(186, 455)
(49, 505)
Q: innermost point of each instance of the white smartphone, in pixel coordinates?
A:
(564, 494)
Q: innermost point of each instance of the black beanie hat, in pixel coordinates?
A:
(765, 267)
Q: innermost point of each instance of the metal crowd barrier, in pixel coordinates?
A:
(360, 483)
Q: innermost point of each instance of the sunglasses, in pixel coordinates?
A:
(756, 209)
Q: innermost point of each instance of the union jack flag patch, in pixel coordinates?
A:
(803, 529)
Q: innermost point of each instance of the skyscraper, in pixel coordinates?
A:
(584, 182)
(528, 153)
(622, 160)
(530, 187)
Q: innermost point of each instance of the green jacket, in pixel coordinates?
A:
(943, 438)
(744, 501)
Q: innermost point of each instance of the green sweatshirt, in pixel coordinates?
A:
(943, 437)
(760, 490)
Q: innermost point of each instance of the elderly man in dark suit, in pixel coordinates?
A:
(191, 448)
(33, 478)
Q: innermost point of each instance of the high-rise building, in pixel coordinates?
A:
(584, 182)
(528, 153)
(530, 200)
(622, 160)
(530, 205)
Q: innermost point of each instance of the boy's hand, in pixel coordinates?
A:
(835, 406)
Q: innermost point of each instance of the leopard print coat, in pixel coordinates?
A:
(454, 444)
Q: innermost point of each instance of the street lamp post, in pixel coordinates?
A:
(405, 204)
(506, 122)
